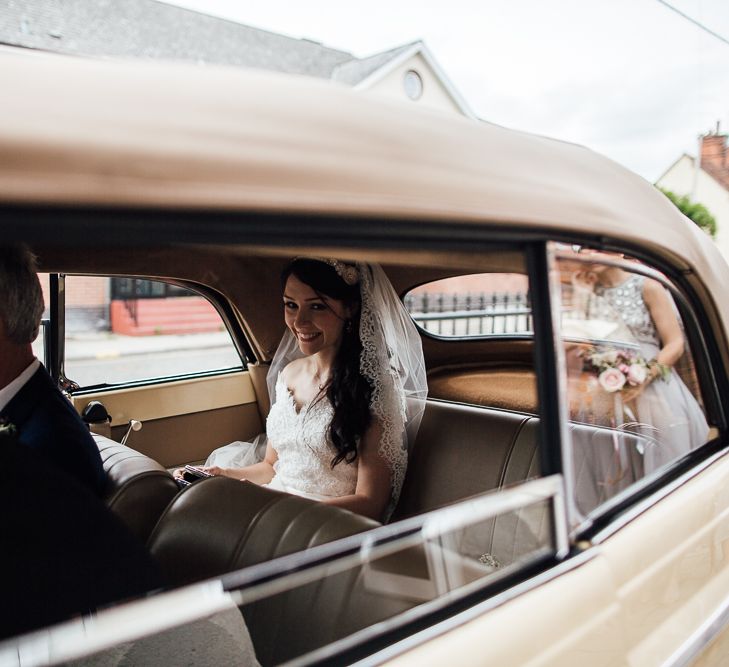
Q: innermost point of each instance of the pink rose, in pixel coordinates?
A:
(624, 368)
(611, 380)
(637, 374)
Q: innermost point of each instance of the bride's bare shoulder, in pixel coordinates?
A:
(292, 370)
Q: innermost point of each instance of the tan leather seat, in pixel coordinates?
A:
(219, 525)
(138, 488)
(463, 450)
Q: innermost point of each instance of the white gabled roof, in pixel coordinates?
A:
(402, 55)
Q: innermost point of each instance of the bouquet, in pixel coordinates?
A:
(618, 370)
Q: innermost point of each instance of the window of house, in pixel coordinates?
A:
(120, 330)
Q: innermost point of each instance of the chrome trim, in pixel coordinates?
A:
(700, 638)
(632, 267)
(479, 509)
(477, 610)
(560, 527)
(127, 622)
(569, 510)
(300, 569)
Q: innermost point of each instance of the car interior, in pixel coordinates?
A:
(480, 434)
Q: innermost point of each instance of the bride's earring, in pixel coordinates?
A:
(348, 326)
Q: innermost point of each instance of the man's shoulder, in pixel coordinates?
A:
(38, 387)
(48, 406)
(48, 423)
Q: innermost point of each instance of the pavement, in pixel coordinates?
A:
(105, 345)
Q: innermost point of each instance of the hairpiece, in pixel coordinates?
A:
(349, 273)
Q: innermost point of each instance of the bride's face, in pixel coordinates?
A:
(316, 321)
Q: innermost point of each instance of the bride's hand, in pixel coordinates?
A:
(217, 471)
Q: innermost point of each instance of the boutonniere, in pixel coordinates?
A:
(7, 430)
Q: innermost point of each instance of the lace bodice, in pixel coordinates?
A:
(626, 300)
(305, 451)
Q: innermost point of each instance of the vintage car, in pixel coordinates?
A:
(547, 517)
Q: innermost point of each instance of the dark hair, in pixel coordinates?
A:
(348, 391)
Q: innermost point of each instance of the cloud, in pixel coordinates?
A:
(629, 78)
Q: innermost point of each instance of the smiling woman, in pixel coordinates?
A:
(348, 385)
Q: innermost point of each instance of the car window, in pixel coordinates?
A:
(377, 582)
(120, 330)
(633, 395)
(475, 305)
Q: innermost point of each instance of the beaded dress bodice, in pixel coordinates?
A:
(626, 300)
(305, 451)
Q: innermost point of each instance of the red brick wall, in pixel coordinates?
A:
(87, 291)
(476, 284)
(80, 290)
(715, 157)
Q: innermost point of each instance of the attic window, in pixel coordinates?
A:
(413, 84)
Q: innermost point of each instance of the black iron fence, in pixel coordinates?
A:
(139, 288)
(469, 314)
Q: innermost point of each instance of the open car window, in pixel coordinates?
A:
(126, 330)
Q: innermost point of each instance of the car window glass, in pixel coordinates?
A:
(476, 305)
(397, 573)
(128, 329)
(633, 395)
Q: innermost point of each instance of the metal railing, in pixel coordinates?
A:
(468, 314)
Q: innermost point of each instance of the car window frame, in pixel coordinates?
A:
(527, 336)
(54, 332)
(445, 237)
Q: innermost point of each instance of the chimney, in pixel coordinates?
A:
(715, 156)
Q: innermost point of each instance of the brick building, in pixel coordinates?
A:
(705, 181)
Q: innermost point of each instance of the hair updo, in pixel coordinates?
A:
(348, 391)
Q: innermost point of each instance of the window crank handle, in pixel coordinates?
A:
(134, 425)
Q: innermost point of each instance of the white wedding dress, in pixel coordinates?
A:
(301, 439)
(300, 436)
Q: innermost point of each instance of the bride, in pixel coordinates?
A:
(348, 387)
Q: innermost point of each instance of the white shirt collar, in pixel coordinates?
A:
(8, 393)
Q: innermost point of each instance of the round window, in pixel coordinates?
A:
(413, 84)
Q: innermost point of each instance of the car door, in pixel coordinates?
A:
(154, 354)
(647, 581)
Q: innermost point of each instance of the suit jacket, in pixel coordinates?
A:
(47, 423)
(64, 553)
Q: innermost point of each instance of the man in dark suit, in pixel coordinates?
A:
(64, 553)
(44, 419)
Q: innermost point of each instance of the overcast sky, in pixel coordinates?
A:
(628, 78)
